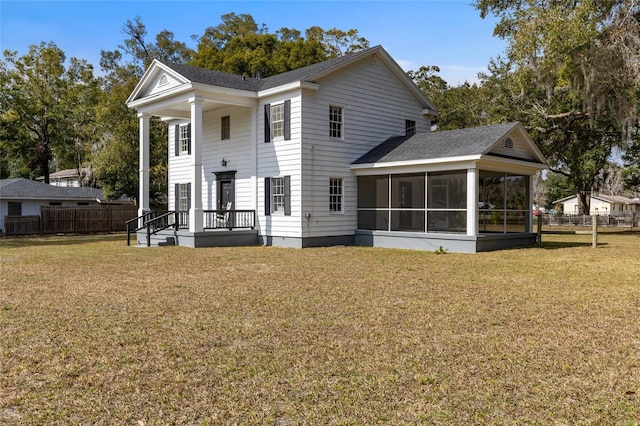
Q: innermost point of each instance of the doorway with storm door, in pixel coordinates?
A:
(225, 198)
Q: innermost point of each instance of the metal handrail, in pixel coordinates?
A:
(149, 220)
(140, 223)
(153, 223)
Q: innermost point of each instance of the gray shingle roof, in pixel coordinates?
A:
(216, 78)
(434, 145)
(234, 81)
(25, 189)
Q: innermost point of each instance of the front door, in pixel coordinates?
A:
(226, 195)
(226, 192)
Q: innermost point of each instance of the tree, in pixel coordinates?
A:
(556, 187)
(460, 107)
(573, 77)
(46, 110)
(238, 45)
(116, 165)
(631, 158)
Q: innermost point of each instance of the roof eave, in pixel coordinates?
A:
(300, 84)
(420, 162)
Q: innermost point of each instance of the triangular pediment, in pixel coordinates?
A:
(516, 144)
(158, 79)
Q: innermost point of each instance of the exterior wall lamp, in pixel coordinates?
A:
(224, 162)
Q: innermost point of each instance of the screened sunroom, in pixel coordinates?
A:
(465, 190)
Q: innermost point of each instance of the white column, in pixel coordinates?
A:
(195, 212)
(529, 218)
(143, 199)
(473, 187)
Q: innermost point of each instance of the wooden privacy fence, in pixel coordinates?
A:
(71, 219)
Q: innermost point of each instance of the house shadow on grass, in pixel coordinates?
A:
(554, 245)
(59, 240)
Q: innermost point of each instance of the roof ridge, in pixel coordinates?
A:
(204, 75)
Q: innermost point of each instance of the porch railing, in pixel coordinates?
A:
(155, 221)
(229, 219)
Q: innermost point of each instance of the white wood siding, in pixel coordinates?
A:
(280, 158)
(154, 85)
(375, 106)
(520, 149)
(237, 151)
(179, 166)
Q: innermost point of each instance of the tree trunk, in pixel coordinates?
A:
(584, 201)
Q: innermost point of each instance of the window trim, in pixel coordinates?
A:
(336, 198)
(183, 193)
(277, 132)
(181, 149)
(269, 196)
(185, 139)
(277, 193)
(336, 128)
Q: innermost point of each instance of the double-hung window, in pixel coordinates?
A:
(182, 139)
(335, 195)
(277, 120)
(184, 196)
(335, 122)
(185, 139)
(277, 194)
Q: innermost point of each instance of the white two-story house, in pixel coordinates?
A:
(340, 152)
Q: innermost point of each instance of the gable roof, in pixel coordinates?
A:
(475, 141)
(25, 189)
(187, 74)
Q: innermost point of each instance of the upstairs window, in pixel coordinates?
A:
(335, 122)
(225, 128)
(182, 139)
(185, 139)
(277, 121)
(409, 127)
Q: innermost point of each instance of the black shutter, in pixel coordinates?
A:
(287, 120)
(177, 139)
(267, 196)
(189, 133)
(189, 195)
(287, 195)
(267, 123)
(177, 192)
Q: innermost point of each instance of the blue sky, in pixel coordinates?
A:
(449, 34)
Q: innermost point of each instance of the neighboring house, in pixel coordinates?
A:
(603, 205)
(339, 152)
(67, 178)
(24, 197)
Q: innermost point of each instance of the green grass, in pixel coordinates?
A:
(95, 332)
